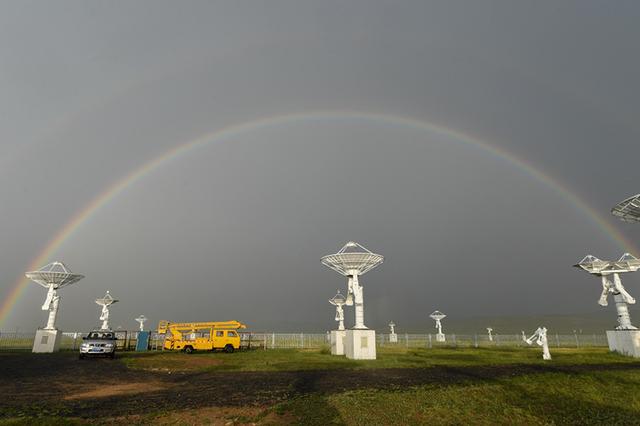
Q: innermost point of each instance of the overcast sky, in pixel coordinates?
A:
(235, 228)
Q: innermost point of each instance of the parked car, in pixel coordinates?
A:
(98, 343)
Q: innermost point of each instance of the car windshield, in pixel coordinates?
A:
(100, 335)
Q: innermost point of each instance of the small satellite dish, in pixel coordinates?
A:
(438, 317)
(105, 301)
(339, 301)
(141, 320)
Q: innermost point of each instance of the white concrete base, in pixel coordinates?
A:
(47, 341)
(337, 342)
(360, 344)
(440, 337)
(625, 342)
(393, 338)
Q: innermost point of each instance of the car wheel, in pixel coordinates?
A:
(228, 349)
(188, 349)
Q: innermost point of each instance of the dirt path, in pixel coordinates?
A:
(65, 386)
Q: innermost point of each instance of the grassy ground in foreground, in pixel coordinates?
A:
(459, 386)
(313, 359)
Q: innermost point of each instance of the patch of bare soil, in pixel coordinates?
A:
(183, 363)
(106, 390)
(216, 416)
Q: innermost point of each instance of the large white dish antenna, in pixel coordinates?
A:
(353, 260)
(628, 210)
(53, 277)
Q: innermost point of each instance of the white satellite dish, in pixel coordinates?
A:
(141, 320)
(354, 260)
(393, 337)
(628, 210)
(607, 269)
(540, 337)
(339, 301)
(438, 317)
(105, 301)
(53, 277)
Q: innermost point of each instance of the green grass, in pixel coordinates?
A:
(611, 398)
(553, 396)
(294, 359)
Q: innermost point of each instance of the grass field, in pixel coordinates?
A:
(415, 386)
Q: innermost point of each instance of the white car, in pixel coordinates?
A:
(99, 343)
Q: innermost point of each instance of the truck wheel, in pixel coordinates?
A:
(188, 349)
(228, 349)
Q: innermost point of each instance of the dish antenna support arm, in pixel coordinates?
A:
(51, 304)
(356, 294)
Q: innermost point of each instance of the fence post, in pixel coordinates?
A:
(577, 342)
(273, 340)
(302, 340)
(497, 340)
(455, 344)
(475, 340)
(406, 339)
(430, 344)
(557, 340)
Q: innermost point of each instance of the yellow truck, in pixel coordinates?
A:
(201, 336)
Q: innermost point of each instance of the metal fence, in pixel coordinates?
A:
(17, 341)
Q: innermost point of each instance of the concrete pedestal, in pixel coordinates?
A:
(625, 342)
(47, 341)
(440, 337)
(337, 342)
(393, 338)
(360, 344)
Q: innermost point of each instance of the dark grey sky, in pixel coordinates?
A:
(235, 229)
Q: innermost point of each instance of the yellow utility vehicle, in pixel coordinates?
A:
(201, 336)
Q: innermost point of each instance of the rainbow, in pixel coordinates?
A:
(262, 123)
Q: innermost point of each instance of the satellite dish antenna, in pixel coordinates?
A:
(105, 301)
(339, 301)
(393, 337)
(141, 319)
(53, 277)
(489, 330)
(628, 210)
(540, 337)
(438, 317)
(606, 270)
(354, 260)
